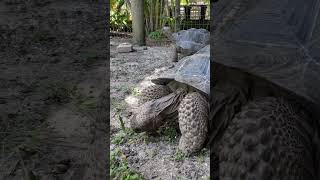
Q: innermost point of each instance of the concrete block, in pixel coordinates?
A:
(124, 48)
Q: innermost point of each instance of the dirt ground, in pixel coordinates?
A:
(151, 156)
(52, 84)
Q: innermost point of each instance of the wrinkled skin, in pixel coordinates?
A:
(192, 109)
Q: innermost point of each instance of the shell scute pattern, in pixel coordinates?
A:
(271, 147)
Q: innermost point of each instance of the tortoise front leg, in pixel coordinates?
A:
(193, 122)
(152, 114)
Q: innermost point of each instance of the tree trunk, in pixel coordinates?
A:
(138, 22)
(157, 9)
(177, 15)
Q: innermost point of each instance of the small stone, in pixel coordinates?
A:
(124, 48)
(140, 48)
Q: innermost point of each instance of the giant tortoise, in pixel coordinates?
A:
(265, 95)
(182, 90)
(187, 42)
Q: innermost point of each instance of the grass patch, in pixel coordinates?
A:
(119, 138)
(179, 156)
(118, 105)
(201, 155)
(130, 137)
(170, 134)
(129, 90)
(156, 35)
(127, 134)
(119, 168)
(135, 92)
(138, 137)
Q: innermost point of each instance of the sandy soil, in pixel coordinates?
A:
(52, 78)
(154, 157)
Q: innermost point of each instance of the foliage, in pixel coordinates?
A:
(157, 14)
(179, 156)
(187, 2)
(154, 11)
(184, 2)
(129, 136)
(201, 156)
(170, 134)
(156, 35)
(120, 19)
(135, 92)
(119, 168)
(120, 15)
(168, 21)
(119, 138)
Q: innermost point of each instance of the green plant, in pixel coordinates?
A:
(135, 92)
(179, 156)
(158, 34)
(129, 136)
(184, 2)
(134, 137)
(120, 120)
(168, 21)
(119, 20)
(170, 134)
(200, 156)
(119, 138)
(119, 168)
(154, 10)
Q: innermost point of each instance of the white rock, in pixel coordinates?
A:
(124, 48)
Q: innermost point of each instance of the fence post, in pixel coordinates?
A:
(138, 26)
(177, 15)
